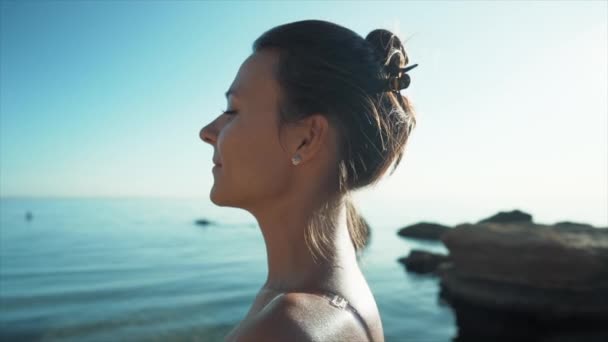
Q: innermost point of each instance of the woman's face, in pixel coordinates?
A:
(254, 166)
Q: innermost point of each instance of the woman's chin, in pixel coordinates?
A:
(216, 198)
(213, 196)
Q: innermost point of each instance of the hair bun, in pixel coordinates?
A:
(389, 50)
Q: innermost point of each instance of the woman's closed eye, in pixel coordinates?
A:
(228, 112)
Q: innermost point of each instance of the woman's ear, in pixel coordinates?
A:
(310, 135)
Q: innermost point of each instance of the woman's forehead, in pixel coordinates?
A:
(255, 78)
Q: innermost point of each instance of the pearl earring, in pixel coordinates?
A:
(296, 159)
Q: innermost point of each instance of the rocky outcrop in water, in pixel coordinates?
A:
(203, 222)
(508, 217)
(510, 279)
(434, 231)
(423, 262)
(424, 230)
(526, 281)
(530, 254)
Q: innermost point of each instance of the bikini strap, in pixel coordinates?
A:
(341, 303)
(338, 301)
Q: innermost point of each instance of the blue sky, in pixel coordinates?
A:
(106, 98)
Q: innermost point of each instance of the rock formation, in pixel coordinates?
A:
(423, 262)
(424, 230)
(527, 281)
(510, 279)
(509, 217)
(203, 222)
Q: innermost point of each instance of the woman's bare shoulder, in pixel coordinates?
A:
(302, 317)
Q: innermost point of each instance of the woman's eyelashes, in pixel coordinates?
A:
(228, 112)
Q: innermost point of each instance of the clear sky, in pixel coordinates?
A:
(106, 98)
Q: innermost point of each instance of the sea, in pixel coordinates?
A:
(140, 269)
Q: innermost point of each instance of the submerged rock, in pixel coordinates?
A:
(424, 230)
(423, 262)
(203, 222)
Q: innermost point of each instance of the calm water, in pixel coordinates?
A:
(139, 269)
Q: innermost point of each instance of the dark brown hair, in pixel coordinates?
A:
(326, 68)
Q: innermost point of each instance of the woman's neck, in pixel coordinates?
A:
(291, 264)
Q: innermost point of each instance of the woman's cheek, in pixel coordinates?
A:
(224, 143)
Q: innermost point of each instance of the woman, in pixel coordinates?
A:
(313, 114)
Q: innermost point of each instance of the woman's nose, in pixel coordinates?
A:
(208, 134)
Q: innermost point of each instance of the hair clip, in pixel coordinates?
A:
(406, 69)
(401, 81)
